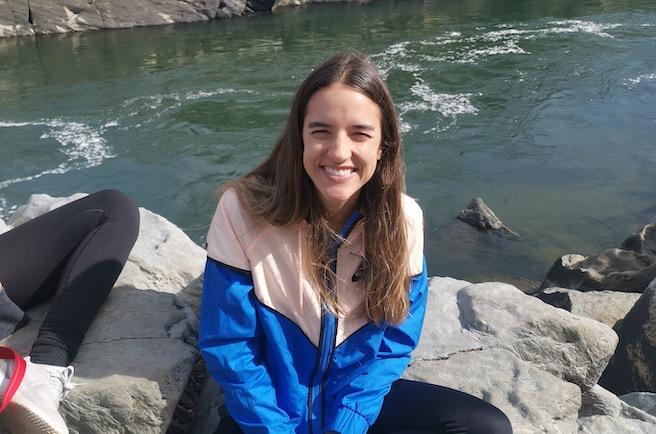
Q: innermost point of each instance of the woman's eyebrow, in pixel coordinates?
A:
(314, 124)
(364, 127)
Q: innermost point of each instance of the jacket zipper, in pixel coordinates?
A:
(328, 332)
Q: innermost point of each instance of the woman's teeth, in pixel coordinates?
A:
(338, 172)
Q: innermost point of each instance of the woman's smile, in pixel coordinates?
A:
(338, 172)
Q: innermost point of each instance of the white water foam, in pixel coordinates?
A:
(640, 79)
(505, 40)
(159, 105)
(448, 105)
(577, 26)
(453, 47)
(83, 145)
(393, 59)
(445, 104)
(399, 57)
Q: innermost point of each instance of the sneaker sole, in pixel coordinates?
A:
(22, 416)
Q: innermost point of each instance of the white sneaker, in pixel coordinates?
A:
(34, 408)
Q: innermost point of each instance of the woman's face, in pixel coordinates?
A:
(341, 146)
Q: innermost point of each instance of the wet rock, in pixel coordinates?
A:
(629, 268)
(612, 269)
(480, 216)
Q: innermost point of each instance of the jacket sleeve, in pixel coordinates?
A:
(362, 400)
(230, 342)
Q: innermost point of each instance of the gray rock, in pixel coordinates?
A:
(480, 216)
(39, 17)
(612, 269)
(231, 8)
(604, 413)
(30, 17)
(166, 260)
(534, 401)
(643, 242)
(607, 307)
(632, 367)
(39, 204)
(571, 347)
(138, 355)
(529, 359)
(134, 365)
(629, 268)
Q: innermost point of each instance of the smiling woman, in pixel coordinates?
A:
(315, 286)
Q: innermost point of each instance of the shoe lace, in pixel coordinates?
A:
(62, 377)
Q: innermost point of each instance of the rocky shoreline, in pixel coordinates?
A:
(585, 366)
(45, 17)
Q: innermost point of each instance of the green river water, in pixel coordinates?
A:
(546, 110)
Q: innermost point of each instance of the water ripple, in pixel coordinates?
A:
(156, 106)
(83, 145)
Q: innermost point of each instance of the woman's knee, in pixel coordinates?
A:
(118, 201)
(113, 199)
(118, 207)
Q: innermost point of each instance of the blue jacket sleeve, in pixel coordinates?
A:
(362, 400)
(230, 342)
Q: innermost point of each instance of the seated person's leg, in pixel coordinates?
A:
(74, 253)
(415, 407)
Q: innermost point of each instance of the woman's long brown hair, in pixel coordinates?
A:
(280, 191)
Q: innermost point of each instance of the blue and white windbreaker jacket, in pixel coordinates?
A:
(285, 363)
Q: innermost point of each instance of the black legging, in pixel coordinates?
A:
(413, 407)
(74, 253)
(416, 407)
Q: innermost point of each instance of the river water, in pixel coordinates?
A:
(546, 110)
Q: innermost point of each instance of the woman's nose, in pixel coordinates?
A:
(340, 148)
